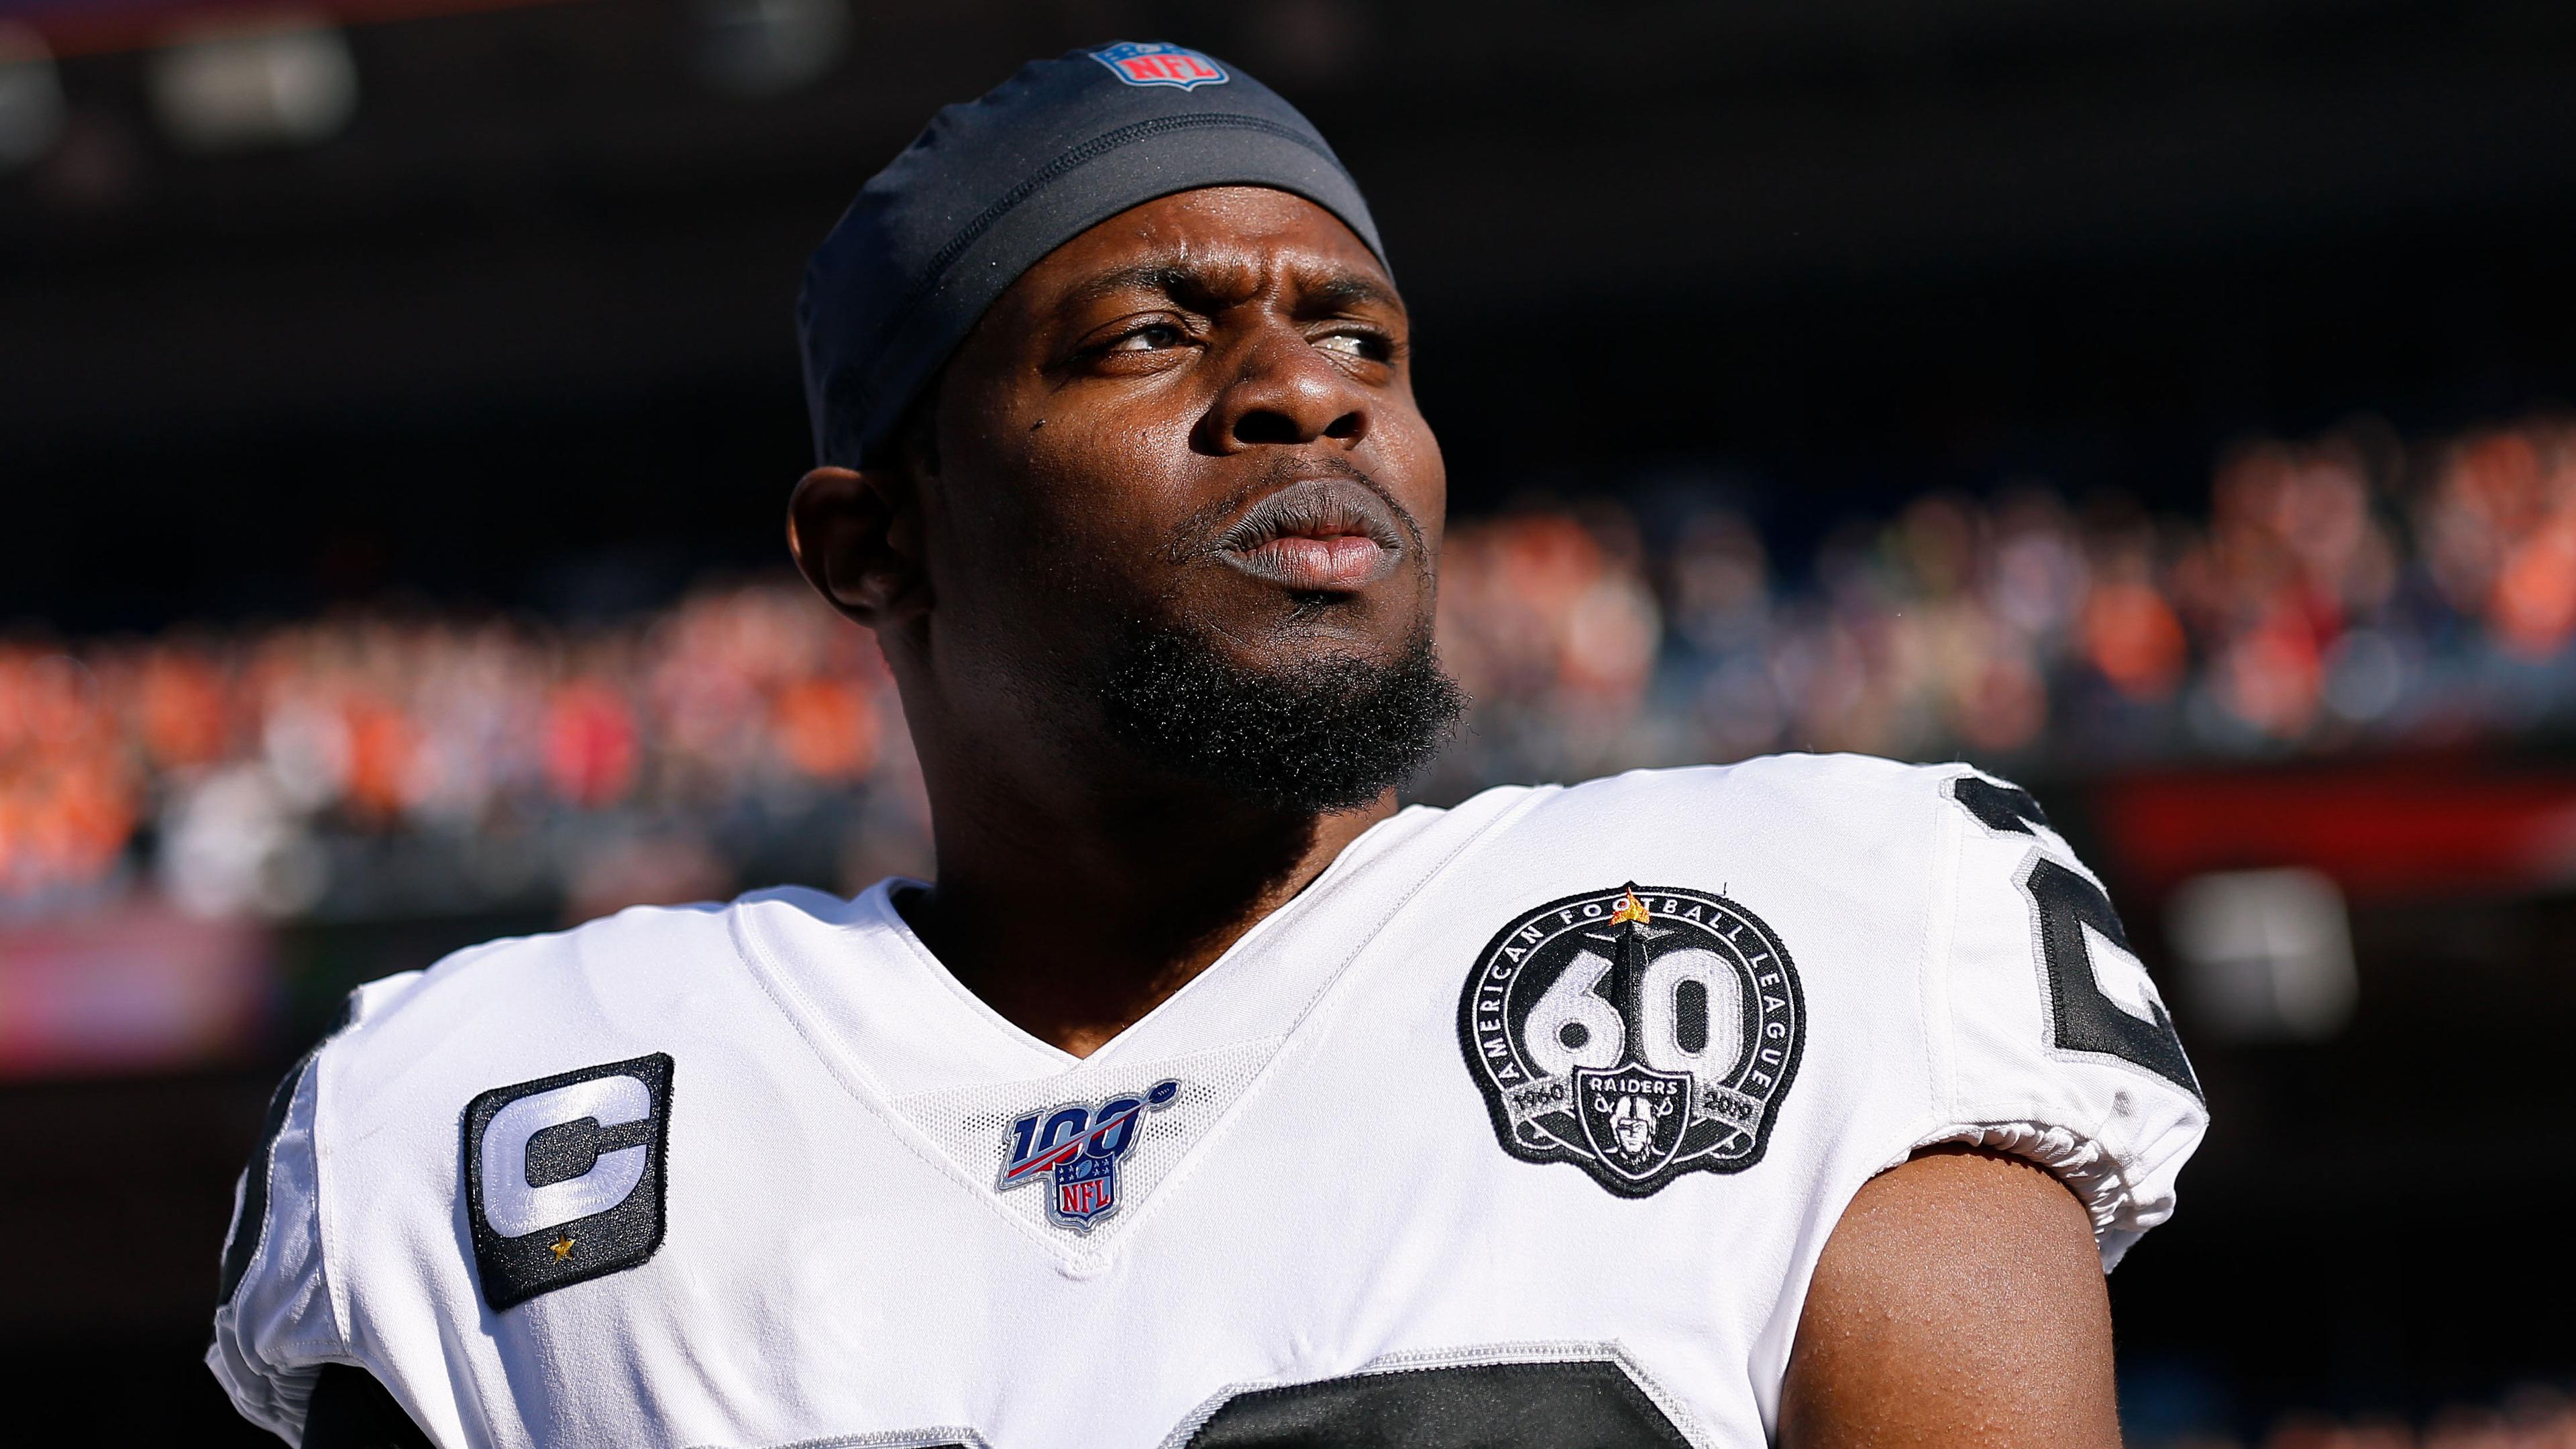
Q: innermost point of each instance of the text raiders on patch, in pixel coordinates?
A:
(1639, 1032)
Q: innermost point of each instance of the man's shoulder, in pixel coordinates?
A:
(1819, 848)
(1814, 845)
(1813, 797)
(527, 1006)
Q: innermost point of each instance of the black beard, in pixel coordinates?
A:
(1331, 734)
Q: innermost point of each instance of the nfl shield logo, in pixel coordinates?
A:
(1633, 1116)
(1155, 64)
(1086, 1188)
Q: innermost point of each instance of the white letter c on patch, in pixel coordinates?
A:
(515, 1209)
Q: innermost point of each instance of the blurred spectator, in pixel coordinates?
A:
(2340, 591)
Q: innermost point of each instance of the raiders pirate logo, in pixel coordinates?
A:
(1640, 1033)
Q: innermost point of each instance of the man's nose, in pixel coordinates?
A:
(1286, 391)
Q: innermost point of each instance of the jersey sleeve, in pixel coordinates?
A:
(276, 1320)
(2057, 1046)
(275, 1326)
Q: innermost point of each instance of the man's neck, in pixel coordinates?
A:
(1074, 923)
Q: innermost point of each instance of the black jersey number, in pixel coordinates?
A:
(1583, 1404)
(1578, 1404)
(2081, 1017)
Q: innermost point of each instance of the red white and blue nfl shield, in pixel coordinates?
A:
(1086, 1188)
(1153, 63)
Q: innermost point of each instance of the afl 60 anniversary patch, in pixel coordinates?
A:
(1639, 1032)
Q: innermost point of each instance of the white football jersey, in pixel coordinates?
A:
(1525, 1123)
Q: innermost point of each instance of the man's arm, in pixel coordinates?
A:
(1959, 1302)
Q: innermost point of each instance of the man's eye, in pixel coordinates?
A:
(1355, 344)
(1152, 338)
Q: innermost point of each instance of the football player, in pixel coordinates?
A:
(1206, 1097)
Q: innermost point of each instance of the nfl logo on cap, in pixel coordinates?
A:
(1153, 63)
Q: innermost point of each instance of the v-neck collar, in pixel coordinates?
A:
(929, 1058)
(868, 992)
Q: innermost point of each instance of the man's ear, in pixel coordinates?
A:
(857, 538)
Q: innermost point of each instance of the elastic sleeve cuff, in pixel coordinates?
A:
(2121, 1213)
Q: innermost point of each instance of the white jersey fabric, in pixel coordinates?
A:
(1544, 1105)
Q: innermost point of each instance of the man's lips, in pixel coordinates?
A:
(1347, 561)
(1322, 535)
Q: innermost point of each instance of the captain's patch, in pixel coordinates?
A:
(1638, 1032)
(564, 1176)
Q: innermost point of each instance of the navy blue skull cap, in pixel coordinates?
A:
(991, 186)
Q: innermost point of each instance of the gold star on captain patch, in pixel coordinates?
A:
(562, 1247)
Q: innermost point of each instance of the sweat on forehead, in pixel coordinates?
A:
(993, 185)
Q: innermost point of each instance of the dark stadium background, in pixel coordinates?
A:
(2163, 403)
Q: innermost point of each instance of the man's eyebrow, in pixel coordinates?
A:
(1343, 291)
(1168, 278)
(1331, 292)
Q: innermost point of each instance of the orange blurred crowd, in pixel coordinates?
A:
(2340, 591)
(238, 757)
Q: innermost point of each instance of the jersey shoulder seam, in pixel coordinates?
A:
(1939, 958)
(315, 1142)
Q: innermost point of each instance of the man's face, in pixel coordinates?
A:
(1190, 429)
(1633, 1126)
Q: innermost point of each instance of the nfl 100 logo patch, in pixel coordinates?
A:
(1153, 63)
(1639, 1032)
(1076, 1150)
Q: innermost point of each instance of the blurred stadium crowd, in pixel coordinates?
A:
(2533, 1418)
(2341, 592)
